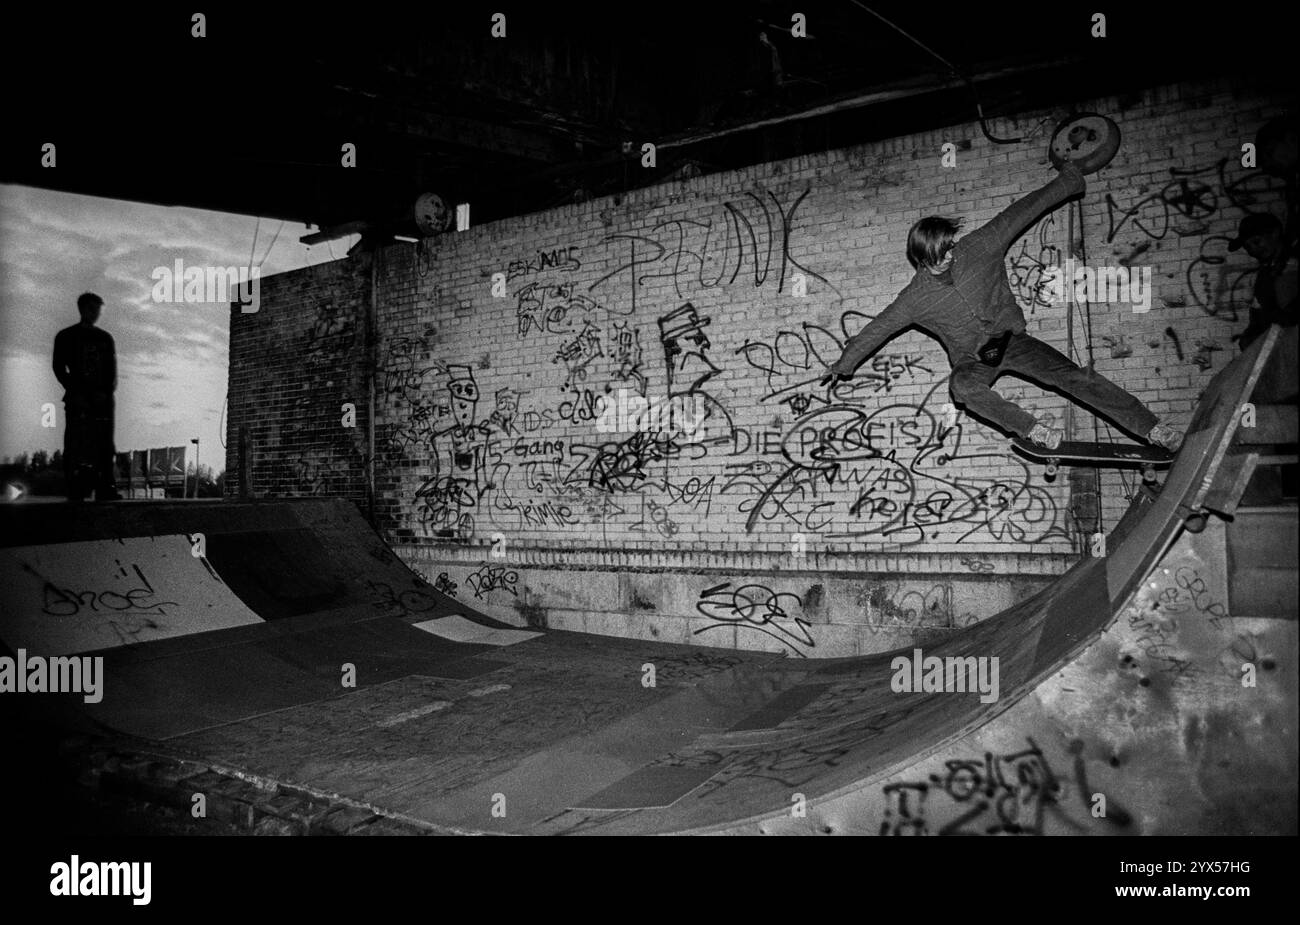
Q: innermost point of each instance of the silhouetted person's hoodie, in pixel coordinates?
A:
(85, 362)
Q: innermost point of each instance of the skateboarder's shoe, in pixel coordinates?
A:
(1165, 437)
(1048, 438)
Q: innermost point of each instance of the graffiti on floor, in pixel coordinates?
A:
(396, 603)
(1007, 794)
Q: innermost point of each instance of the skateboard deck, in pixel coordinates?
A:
(1146, 458)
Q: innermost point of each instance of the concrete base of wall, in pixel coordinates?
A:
(824, 613)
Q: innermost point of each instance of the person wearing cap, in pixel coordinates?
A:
(961, 297)
(1262, 236)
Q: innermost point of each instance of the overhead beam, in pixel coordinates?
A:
(415, 119)
(334, 232)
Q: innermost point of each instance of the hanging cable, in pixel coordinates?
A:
(1071, 352)
(1092, 368)
(271, 245)
(423, 261)
(979, 111)
(1097, 424)
(952, 69)
(252, 251)
(1087, 302)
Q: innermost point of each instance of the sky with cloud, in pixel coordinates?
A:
(172, 357)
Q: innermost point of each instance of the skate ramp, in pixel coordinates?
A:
(489, 730)
(75, 597)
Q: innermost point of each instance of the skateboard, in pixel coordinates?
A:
(1116, 455)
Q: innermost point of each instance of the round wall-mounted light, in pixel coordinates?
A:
(432, 216)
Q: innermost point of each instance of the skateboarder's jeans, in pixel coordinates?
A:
(1030, 358)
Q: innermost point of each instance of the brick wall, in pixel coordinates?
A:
(293, 365)
(729, 292)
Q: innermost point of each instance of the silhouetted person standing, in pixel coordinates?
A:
(85, 362)
(1263, 237)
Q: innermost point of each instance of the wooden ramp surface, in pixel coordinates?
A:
(472, 726)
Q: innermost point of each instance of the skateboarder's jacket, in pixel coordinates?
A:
(970, 303)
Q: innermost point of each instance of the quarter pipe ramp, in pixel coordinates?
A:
(285, 640)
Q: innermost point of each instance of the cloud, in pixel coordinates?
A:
(172, 357)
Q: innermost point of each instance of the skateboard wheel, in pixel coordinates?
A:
(1148, 475)
(1051, 470)
(1195, 523)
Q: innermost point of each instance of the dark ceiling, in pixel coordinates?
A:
(251, 119)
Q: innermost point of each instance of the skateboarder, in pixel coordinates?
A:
(961, 297)
(85, 363)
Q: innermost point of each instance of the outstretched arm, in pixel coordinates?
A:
(875, 335)
(1009, 224)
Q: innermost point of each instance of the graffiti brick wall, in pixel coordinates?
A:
(514, 358)
(294, 364)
